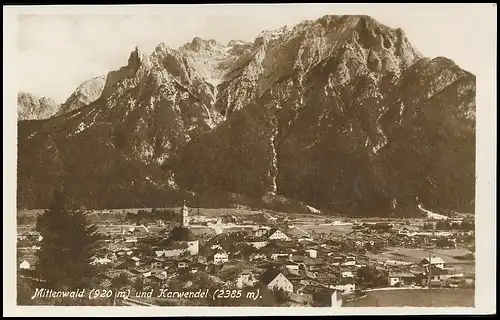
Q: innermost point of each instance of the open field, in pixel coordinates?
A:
(308, 217)
(125, 227)
(417, 254)
(416, 298)
(21, 228)
(209, 212)
(202, 230)
(339, 230)
(111, 217)
(465, 267)
(32, 212)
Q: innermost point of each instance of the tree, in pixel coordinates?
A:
(144, 248)
(24, 291)
(347, 246)
(246, 250)
(370, 277)
(444, 243)
(442, 225)
(367, 275)
(69, 243)
(376, 247)
(281, 296)
(428, 226)
(368, 246)
(120, 281)
(467, 225)
(139, 284)
(455, 226)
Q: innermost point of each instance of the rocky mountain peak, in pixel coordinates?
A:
(86, 93)
(136, 58)
(359, 45)
(234, 43)
(199, 45)
(267, 36)
(32, 107)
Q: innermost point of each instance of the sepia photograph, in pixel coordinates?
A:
(321, 157)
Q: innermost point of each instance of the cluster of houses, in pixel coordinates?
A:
(403, 235)
(431, 271)
(309, 270)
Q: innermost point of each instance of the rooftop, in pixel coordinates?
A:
(317, 289)
(177, 245)
(271, 231)
(255, 239)
(347, 280)
(291, 274)
(434, 260)
(401, 275)
(269, 275)
(219, 251)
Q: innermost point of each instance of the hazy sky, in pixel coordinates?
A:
(61, 47)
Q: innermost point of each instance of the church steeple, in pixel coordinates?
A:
(185, 215)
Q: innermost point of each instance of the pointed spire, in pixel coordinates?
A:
(184, 215)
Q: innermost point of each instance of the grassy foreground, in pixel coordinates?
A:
(416, 298)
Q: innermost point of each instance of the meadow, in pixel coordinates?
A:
(329, 229)
(416, 298)
(417, 254)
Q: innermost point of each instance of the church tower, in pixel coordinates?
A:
(185, 216)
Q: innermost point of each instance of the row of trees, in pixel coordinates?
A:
(445, 243)
(446, 225)
(26, 219)
(143, 216)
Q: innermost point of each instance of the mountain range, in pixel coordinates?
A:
(341, 113)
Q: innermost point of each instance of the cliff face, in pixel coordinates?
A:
(341, 113)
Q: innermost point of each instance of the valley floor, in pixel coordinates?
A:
(416, 298)
(310, 257)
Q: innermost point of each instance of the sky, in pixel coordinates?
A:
(59, 48)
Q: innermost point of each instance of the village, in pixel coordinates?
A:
(292, 264)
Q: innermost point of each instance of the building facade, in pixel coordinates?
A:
(277, 235)
(220, 258)
(280, 282)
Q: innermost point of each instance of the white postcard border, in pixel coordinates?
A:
(485, 299)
